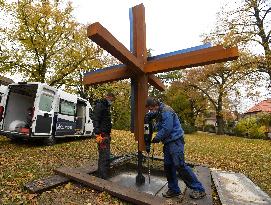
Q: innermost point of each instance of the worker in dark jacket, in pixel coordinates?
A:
(171, 134)
(102, 129)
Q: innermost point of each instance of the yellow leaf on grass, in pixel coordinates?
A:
(68, 186)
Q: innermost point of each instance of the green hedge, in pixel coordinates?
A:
(209, 128)
(188, 129)
(250, 128)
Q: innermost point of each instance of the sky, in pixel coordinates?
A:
(170, 24)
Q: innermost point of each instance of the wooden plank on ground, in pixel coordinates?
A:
(204, 176)
(86, 169)
(41, 185)
(44, 184)
(112, 188)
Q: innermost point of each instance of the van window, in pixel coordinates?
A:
(46, 102)
(67, 108)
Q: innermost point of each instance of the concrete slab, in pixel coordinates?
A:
(237, 189)
(157, 185)
(125, 193)
(204, 176)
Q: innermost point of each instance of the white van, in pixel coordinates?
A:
(3, 89)
(36, 110)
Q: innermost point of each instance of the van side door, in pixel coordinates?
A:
(44, 111)
(65, 123)
(3, 100)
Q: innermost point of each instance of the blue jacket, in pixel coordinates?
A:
(168, 125)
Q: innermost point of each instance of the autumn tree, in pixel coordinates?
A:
(121, 109)
(187, 102)
(216, 82)
(2, 2)
(121, 113)
(248, 26)
(46, 44)
(3, 55)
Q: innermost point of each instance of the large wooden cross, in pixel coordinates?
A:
(141, 69)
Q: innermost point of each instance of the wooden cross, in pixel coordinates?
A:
(141, 69)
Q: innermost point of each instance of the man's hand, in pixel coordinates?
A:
(99, 139)
(155, 140)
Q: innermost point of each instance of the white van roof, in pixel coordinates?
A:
(82, 99)
(62, 94)
(27, 83)
(67, 96)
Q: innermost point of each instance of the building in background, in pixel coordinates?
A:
(264, 107)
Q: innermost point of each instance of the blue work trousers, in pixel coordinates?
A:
(174, 162)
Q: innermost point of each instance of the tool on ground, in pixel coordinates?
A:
(148, 130)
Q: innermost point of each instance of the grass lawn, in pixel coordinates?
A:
(23, 162)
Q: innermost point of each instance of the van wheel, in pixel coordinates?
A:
(49, 141)
(16, 140)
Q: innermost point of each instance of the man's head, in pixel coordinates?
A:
(110, 97)
(152, 104)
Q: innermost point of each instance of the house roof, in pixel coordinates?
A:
(264, 106)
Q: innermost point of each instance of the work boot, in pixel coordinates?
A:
(170, 194)
(197, 194)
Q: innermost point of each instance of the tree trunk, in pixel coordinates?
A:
(219, 116)
(220, 125)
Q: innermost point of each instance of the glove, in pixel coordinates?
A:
(155, 140)
(99, 139)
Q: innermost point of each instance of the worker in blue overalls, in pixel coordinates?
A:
(171, 134)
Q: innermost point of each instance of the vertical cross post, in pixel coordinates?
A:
(140, 88)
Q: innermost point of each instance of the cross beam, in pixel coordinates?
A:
(139, 68)
(115, 73)
(106, 40)
(162, 63)
(206, 56)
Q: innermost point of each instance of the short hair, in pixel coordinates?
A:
(152, 102)
(110, 94)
